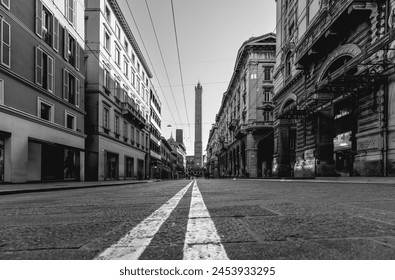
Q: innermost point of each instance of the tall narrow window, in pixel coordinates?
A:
(125, 67)
(108, 14)
(107, 78)
(1, 92)
(5, 43)
(71, 10)
(288, 64)
(71, 50)
(117, 31)
(107, 40)
(106, 118)
(44, 70)
(71, 88)
(117, 56)
(116, 124)
(267, 73)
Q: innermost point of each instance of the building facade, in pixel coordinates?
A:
(179, 155)
(42, 90)
(245, 118)
(334, 88)
(117, 96)
(155, 133)
(212, 150)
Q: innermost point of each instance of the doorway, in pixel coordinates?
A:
(112, 166)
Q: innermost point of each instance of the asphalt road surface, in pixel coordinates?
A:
(210, 219)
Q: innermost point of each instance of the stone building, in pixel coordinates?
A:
(334, 88)
(155, 132)
(212, 150)
(245, 118)
(42, 106)
(117, 96)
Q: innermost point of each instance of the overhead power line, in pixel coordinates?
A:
(163, 60)
(149, 58)
(179, 64)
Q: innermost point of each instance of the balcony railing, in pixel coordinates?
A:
(132, 114)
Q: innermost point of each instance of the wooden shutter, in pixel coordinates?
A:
(39, 19)
(65, 84)
(39, 66)
(55, 35)
(66, 45)
(77, 92)
(77, 55)
(50, 75)
(5, 43)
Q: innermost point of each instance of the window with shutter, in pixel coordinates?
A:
(39, 66)
(55, 43)
(5, 43)
(39, 20)
(66, 45)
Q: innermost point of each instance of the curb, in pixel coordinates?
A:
(367, 181)
(62, 188)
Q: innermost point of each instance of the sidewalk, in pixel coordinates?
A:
(339, 180)
(6, 189)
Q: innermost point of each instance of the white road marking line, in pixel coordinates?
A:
(133, 244)
(202, 240)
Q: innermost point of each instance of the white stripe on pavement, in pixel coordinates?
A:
(202, 240)
(132, 245)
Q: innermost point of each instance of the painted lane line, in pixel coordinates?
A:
(133, 244)
(202, 240)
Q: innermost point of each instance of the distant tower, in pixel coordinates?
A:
(198, 126)
(179, 136)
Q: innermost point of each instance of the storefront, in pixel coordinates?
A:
(52, 162)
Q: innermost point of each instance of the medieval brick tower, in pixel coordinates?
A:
(198, 126)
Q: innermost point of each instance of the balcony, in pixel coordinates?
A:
(333, 19)
(133, 115)
(233, 124)
(260, 125)
(240, 131)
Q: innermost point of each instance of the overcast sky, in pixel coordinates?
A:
(210, 32)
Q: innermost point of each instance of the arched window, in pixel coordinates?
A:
(339, 62)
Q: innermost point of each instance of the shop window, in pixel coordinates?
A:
(71, 88)
(44, 70)
(70, 170)
(70, 120)
(5, 43)
(129, 167)
(45, 110)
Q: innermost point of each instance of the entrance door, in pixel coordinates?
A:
(112, 166)
(1, 160)
(140, 169)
